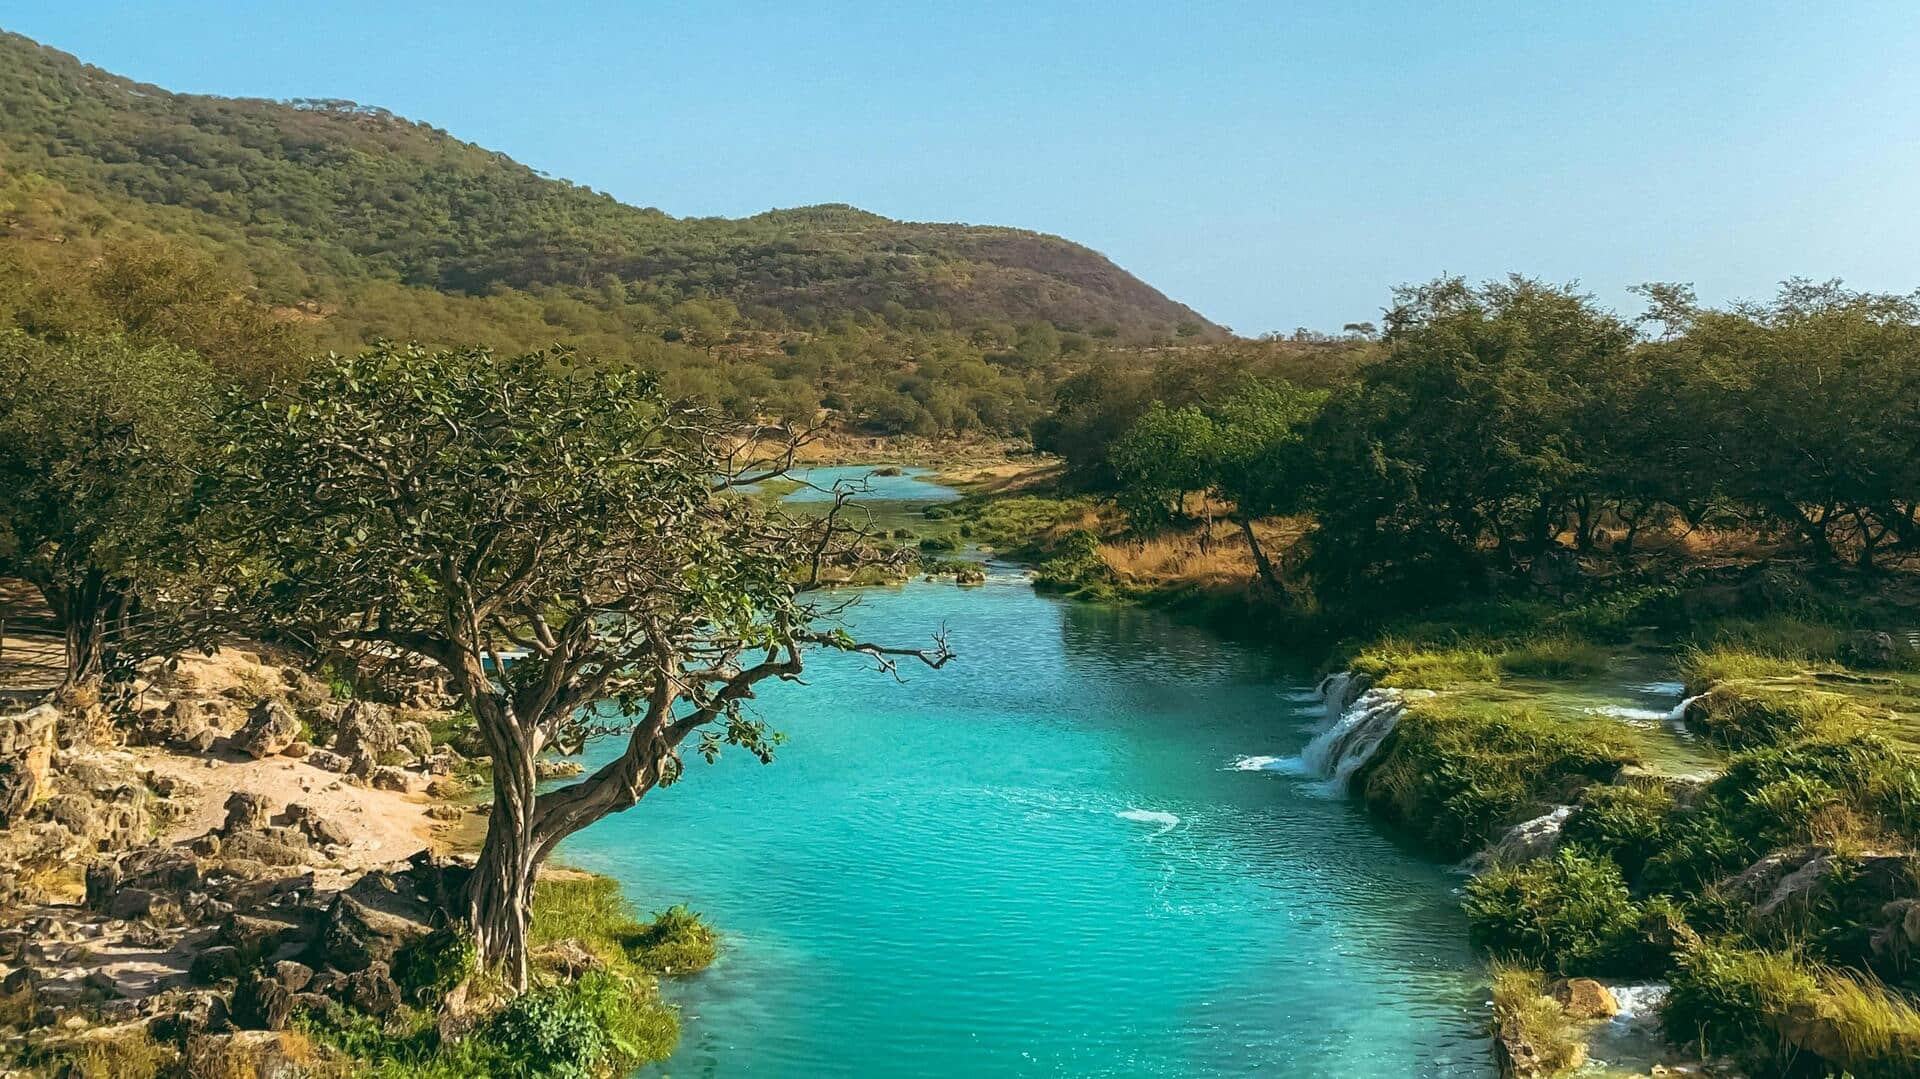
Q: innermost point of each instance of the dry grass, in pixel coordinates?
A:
(1201, 555)
(1524, 1014)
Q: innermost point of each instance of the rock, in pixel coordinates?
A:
(445, 812)
(385, 777)
(327, 760)
(1584, 998)
(246, 811)
(217, 964)
(271, 728)
(373, 990)
(262, 1002)
(320, 829)
(557, 769)
(295, 976)
(26, 754)
(298, 748)
(256, 936)
(18, 980)
(1526, 841)
(414, 738)
(1873, 649)
(359, 935)
(567, 958)
(365, 728)
(130, 903)
(276, 848)
(449, 788)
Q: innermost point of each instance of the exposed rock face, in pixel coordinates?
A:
(270, 729)
(246, 810)
(26, 753)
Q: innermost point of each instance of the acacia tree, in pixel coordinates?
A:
(98, 440)
(561, 541)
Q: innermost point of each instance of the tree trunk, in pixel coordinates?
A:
(85, 657)
(1267, 574)
(500, 896)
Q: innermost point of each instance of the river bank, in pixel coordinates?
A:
(246, 871)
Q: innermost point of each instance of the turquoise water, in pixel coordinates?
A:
(1041, 861)
(910, 485)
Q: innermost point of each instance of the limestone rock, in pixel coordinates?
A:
(246, 811)
(270, 729)
(365, 729)
(26, 754)
(327, 760)
(414, 738)
(1584, 998)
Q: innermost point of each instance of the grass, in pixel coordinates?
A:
(1744, 716)
(1562, 656)
(592, 911)
(1702, 668)
(1524, 1014)
(1570, 913)
(1454, 772)
(1879, 1029)
(1724, 999)
(1406, 664)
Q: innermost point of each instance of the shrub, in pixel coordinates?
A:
(553, 1032)
(1724, 999)
(939, 543)
(677, 941)
(1742, 717)
(1400, 663)
(429, 968)
(1627, 823)
(1570, 913)
(1455, 773)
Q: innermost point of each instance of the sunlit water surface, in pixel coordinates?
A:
(1042, 861)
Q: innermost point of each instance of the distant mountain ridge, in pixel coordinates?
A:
(317, 192)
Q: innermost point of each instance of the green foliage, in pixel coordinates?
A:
(100, 438)
(1554, 657)
(1405, 664)
(1164, 456)
(429, 968)
(1626, 822)
(1569, 913)
(1455, 773)
(591, 911)
(1744, 716)
(677, 941)
(1726, 1000)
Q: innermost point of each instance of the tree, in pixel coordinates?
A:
(1166, 454)
(1261, 462)
(99, 437)
(468, 509)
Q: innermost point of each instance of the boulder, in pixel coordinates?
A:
(414, 738)
(373, 990)
(26, 754)
(327, 760)
(557, 769)
(386, 777)
(277, 847)
(366, 729)
(246, 811)
(299, 748)
(262, 1002)
(271, 728)
(295, 976)
(1526, 841)
(359, 935)
(1873, 649)
(320, 829)
(1584, 998)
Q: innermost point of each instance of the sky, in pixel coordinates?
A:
(1273, 165)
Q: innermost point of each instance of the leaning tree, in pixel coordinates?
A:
(559, 538)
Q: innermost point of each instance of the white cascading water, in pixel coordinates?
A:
(1355, 731)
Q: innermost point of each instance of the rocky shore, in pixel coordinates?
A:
(239, 844)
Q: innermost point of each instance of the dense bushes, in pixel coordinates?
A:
(1569, 913)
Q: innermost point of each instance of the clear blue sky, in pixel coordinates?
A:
(1273, 165)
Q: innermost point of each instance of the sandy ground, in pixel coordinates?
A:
(384, 826)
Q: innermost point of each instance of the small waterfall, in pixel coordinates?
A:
(1338, 751)
(1679, 713)
(1339, 690)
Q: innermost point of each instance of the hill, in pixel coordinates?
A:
(316, 195)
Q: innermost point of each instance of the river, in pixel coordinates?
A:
(1048, 859)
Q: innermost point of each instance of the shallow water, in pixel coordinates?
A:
(1044, 860)
(908, 485)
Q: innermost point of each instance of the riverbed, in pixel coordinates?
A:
(1047, 859)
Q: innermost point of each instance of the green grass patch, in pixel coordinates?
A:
(1724, 1000)
(1408, 664)
(1555, 657)
(592, 911)
(1743, 716)
(1454, 773)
